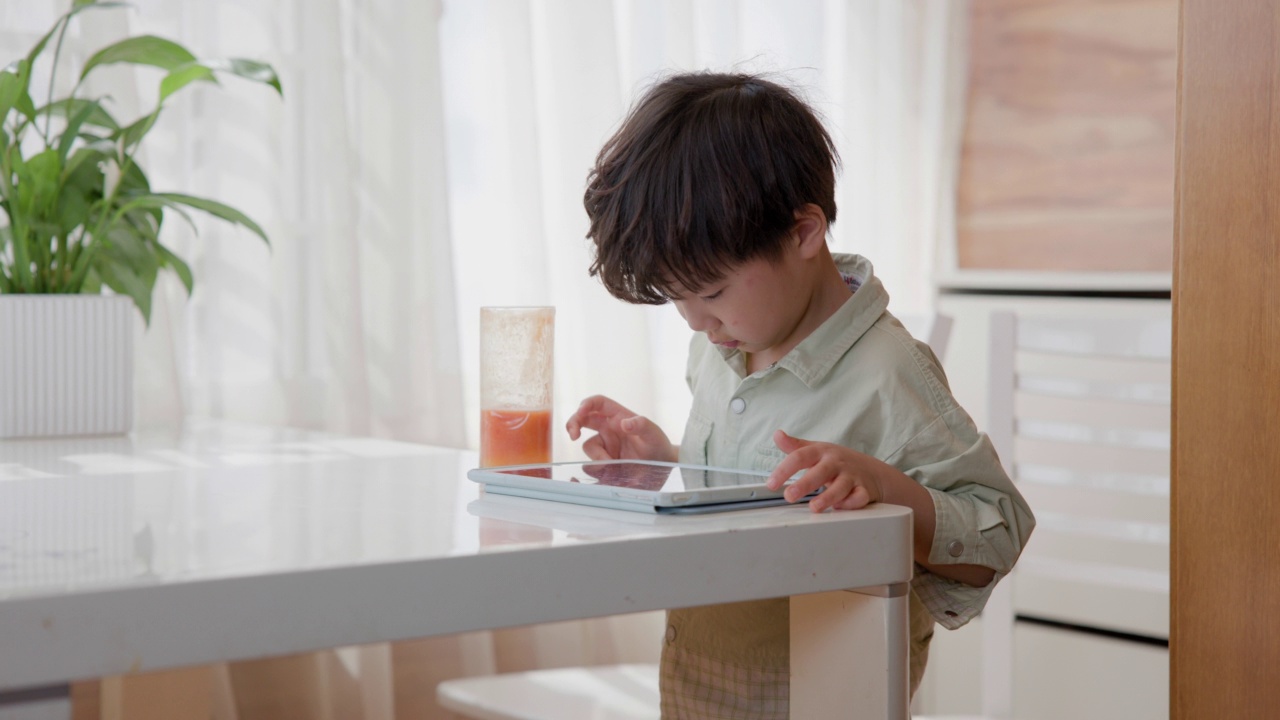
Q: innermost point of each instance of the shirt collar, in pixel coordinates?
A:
(811, 361)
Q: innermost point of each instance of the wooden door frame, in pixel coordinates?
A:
(1225, 511)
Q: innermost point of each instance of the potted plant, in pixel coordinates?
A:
(80, 233)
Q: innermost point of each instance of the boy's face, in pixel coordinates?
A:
(756, 307)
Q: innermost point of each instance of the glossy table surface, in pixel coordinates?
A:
(223, 542)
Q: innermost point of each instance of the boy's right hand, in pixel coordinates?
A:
(620, 433)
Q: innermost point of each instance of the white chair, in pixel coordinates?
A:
(608, 692)
(1079, 411)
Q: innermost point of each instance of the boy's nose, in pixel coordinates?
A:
(700, 322)
(696, 316)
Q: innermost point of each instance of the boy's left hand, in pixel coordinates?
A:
(851, 478)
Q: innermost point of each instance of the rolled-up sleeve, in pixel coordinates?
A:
(981, 518)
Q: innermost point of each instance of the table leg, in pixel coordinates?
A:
(46, 703)
(849, 654)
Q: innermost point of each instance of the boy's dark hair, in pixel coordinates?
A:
(706, 172)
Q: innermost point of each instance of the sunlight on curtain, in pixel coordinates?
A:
(346, 323)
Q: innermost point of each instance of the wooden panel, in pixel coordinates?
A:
(1226, 374)
(1067, 159)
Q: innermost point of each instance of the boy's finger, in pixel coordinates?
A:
(781, 473)
(812, 479)
(787, 443)
(794, 462)
(856, 500)
(836, 491)
(603, 405)
(636, 424)
(595, 449)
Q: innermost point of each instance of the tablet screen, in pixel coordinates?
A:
(641, 476)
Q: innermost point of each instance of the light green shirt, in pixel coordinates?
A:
(860, 380)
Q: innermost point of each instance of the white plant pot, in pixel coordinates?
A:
(66, 365)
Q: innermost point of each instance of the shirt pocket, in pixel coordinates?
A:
(693, 448)
(767, 458)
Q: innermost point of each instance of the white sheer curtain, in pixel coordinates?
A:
(532, 89)
(347, 322)
(429, 158)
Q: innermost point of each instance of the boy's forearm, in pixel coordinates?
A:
(899, 489)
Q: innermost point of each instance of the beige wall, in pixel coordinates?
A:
(1067, 160)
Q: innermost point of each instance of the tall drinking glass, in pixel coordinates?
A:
(515, 384)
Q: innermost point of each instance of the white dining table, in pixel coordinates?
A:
(221, 542)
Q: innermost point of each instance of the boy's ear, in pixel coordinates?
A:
(810, 230)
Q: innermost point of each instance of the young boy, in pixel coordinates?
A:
(716, 195)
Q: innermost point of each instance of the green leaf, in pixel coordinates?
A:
(126, 248)
(141, 50)
(92, 284)
(26, 107)
(39, 46)
(82, 179)
(38, 182)
(73, 207)
(178, 265)
(18, 235)
(15, 83)
(204, 71)
(82, 167)
(153, 218)
(132, 135)
(134, 185)
(180, 77)
(249, 70)
(69, 107)
(10, 89)
(72, 131)
(133, 180)
(213, 207)
(118, 276)
(126, 243)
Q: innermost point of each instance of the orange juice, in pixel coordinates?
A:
(514, 437)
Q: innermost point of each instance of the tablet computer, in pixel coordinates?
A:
(639, 485)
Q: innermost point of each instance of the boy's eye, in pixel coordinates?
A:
(714, 295)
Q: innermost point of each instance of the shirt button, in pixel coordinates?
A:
(955, 548)
(671, 634)
(737, 405)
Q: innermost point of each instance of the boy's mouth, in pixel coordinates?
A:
(731, 344)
